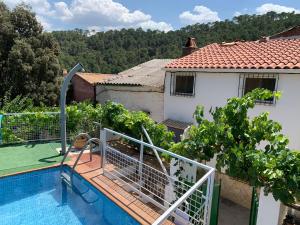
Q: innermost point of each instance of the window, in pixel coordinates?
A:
(183, 83)
(265, 81)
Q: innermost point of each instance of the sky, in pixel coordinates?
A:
(164, 15)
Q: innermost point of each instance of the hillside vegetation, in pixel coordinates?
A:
(114, 51)
(31, 60)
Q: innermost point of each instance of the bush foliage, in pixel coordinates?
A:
(81, 118)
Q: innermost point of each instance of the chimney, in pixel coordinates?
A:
(190, 46)
(263, 39)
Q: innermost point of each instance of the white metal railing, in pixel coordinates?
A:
(179, 196)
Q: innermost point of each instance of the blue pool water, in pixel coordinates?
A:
(42, 198)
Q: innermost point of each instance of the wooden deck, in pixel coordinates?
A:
(113, 189)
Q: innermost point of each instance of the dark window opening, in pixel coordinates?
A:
(252, 83)
(183, 85)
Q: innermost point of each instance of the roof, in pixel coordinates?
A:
(293, 32)
(93, 78)
(266, 54)
(150, 74)
(176, 124)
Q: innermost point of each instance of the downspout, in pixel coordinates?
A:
(63, 94)
(95, 94)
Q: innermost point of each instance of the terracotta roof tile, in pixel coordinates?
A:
(271, 54)
(94, 78)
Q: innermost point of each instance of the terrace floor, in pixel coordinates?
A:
(91, 171)
(18, 158)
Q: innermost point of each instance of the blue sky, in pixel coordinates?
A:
(163, 15)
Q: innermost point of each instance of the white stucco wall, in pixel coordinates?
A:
(268, 211)
(213, 89)
(134, 98)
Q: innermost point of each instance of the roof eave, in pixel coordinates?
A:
(118, 84)
(292, 71)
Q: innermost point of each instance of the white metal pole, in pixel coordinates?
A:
(211, 193)
(103, 140)
(155, 152)
(141, 164)
(184, 197)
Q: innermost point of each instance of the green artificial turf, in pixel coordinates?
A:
(17, 158)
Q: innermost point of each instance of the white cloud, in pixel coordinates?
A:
(46, 25)
(62, 11)
(237, 13)
(268, 7)
(100, 14)
(104, 13)
(152, 25)
(200, 14)
(41, 7)
(107, 14)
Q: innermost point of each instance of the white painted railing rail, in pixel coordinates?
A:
(184, 197)
(180, 199)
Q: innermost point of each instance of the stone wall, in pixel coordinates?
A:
(235, 190)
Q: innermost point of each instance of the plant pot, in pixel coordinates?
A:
(80, 142)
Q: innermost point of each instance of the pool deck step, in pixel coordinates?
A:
(66, 178)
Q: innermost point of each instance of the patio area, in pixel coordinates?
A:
(151, 190)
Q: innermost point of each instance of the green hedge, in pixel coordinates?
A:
(81, 118)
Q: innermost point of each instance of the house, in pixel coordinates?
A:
(216, 72)
(212, 74)
(292, 33)
(138, 88)
(83, 85)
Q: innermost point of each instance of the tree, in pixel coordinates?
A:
(115, 51)
(29, 63)
(252, 149)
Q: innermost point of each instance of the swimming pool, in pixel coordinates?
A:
(42, 198)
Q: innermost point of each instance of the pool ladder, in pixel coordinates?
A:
(90, 142)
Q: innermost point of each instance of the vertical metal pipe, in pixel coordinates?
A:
(103, 141)
(141, 164)
(210, 195)
(63, 95)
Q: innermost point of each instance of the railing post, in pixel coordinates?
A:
(182, 199)
(210, 195)
(103, 141)
(141, 165)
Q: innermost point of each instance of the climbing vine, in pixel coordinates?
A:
(252, 149)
